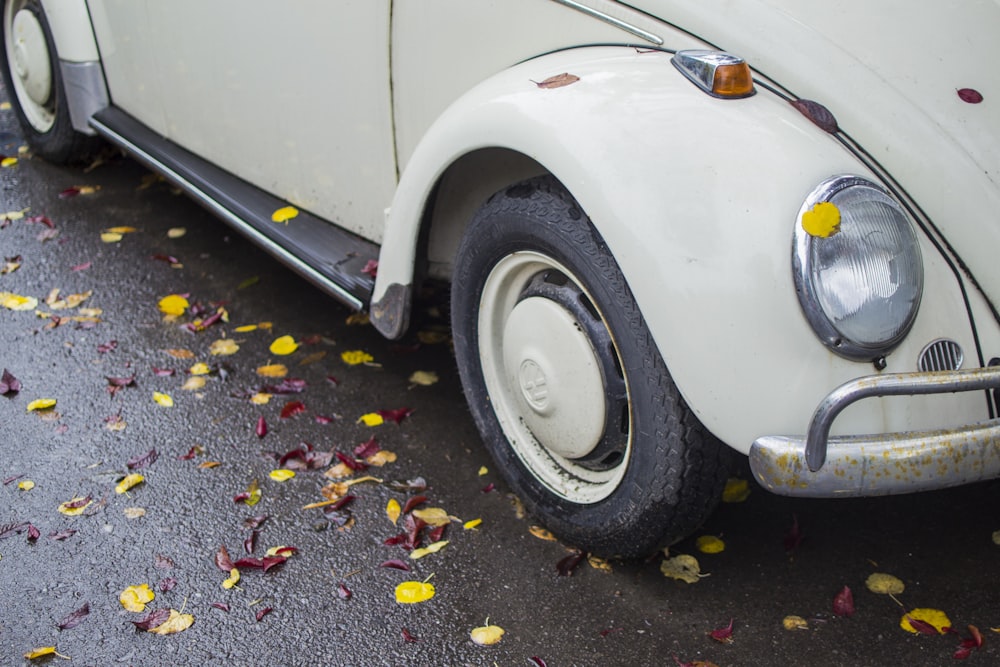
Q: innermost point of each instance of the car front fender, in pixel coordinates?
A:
(695, 196)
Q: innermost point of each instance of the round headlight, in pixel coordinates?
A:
(859, 283)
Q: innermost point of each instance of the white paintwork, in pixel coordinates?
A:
(70, 25)
(695, 196)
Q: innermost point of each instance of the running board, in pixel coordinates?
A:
(330, 257)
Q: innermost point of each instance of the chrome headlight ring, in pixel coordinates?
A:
(859, 283)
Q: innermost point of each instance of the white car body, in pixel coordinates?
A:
(395, 120)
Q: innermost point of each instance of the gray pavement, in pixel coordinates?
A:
(332, 602)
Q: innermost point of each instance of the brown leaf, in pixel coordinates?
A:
(75, 618)
(223, 561)
(557, 81)
(818, 114)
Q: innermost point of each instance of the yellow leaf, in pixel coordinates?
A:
(254, 490)
(180, 353)
(163, 399)
(223, 347)
(41, 404)
(134, 512)
(282, 550)
(8, 162)
(541, 533)
(884, 584)
(173, 304)
(355, 319)
(12, 301)
(232, 580)
(736, 491)
(39, 652)
(194, 383)
(411, 592)
(681, 567)
(111, 237)
(794, 623)
(208, 465)
(200, 368)
(487, 635)
(709, 544)
(822, 220)
(14, 215)
(177, 622)
(933, 617)
(273, 371)
(313, 358)
(355, 357)
(417, 554)
(120, 230)
(380, 458)
(338, 471)
(424, 378)
(433, 516)
(371, 419)
(392, 509)
(176, 232)
(65, 508)
(134, 598)
(128, 482)
(260, 398)
(283, 345)
(474, 523)
(483, 470)
(246, 328)
(284, 214)
(599, 564)
(996, 537)
(26, 485)
(281, 475)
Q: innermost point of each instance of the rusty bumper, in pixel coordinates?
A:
(818, 465)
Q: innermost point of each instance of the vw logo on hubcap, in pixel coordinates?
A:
(534, 385)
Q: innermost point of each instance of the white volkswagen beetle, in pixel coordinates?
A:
(668, 224)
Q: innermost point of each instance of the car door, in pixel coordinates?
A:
(293, 97)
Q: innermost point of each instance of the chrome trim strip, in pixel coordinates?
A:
(215, 207)
(618, 23)
(881, 465)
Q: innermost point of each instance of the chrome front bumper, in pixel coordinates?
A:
(819, 466)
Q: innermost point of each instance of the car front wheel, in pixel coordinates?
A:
(566, 385)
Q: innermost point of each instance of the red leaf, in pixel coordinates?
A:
(566, 565)
(343, 592)
(263, 612)
(962, 652)
(255, 522)
(161, 562)
(240, 497)
(371, 268)
(923, 627)
(61, 535)
(41, 219)
(163, 372)
(396, 415)
(13, 478)
(320, 419)
(142, 460)
(366, 449)
(167, 584)
(724, 635)
(396, 564)
(222, 560)
(8, 383)
(353, 464)
(69, 192)
(221, 605)
(843, 602)
(436, 534)
(489, 487)
(272, 561)
(977, 637)
(818, 114)
(74, 618)
(407, 637)
(413, 502)
(261, 427)
(395, 540)
(292, 408)
(169, 259)
(332, 380)
(250, 542)
(970, 95)
(793, 538)
(538, 661)
(6, 529)
(81, 267)
(33, 533)
(190, 455)
(110, 346)
(154, 619)
(82, 502)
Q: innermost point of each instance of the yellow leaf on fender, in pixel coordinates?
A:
(822, 220)
(177, 622)
(134, 598)
(129, 482)
(487, 635)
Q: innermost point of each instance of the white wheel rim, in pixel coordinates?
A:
(544, 381)
(30, 65)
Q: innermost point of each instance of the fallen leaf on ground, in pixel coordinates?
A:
(41, 404)
(128, 482)
(134, 512)
(40, 652)
(884, 584)
(26, 485)
(472, 524)
(176, 232)
(794, 623)
(599, 564)
(76, 506)
(75, 618)
(736, 491)
(371, 419)
(273, 371)
(194, 383)
(232, 579)
(135, 598)
(283, 346)
(723, 635)
(163, 399)
(173, 304)
(412, 592)
(223, 347)
(424, 378)
(542, 533)
(392, 510)
(710, 544)
(843, 602)
(12, 301)
(356, 357)
(281, 475)
(176, 622)
(683, 567)
(433, 516)
(487, 635)
(417, 554)
(923, 617)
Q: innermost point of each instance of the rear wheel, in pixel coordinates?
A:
(566, 384)
(34, 82)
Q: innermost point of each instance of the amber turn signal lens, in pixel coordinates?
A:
(733, 81)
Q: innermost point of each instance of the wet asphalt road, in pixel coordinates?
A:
(939, 544)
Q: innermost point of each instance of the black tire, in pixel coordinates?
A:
(640, 477)
(43, 112)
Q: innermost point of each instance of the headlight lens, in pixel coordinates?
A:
(859, 287)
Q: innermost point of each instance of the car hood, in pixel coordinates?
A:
(890, 71)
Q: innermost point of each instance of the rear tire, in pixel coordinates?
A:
(31, 74)
(566, 385)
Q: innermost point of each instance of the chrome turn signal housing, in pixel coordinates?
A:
(718, 73)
